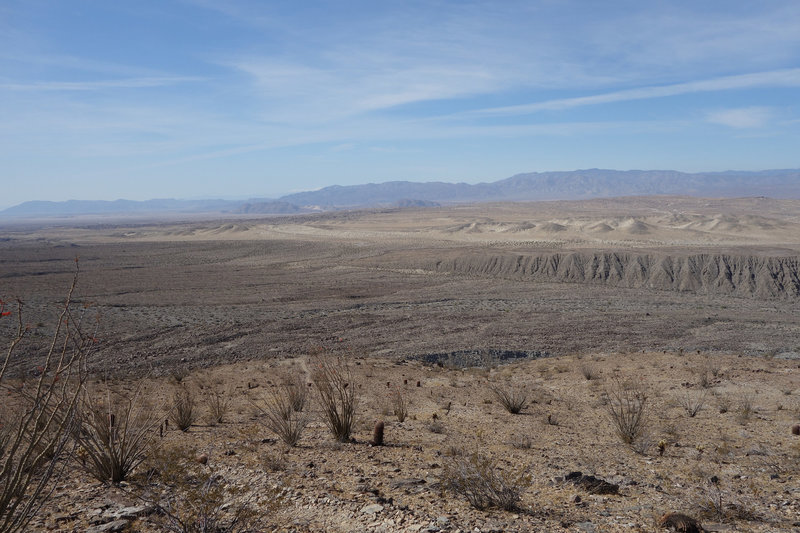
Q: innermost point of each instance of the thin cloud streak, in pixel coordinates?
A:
(743, 118)
(131, 83)
(777, 78)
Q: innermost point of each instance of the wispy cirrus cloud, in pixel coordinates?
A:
(776, 78)
(742, 118)
(318, 94)
(127, 83)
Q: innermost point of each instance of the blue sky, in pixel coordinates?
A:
(230, 98)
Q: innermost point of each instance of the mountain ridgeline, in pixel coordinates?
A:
(573, 185)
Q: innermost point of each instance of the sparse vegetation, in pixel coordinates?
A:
(513, 398)
(37, 416)
(588, 370)
(115, 433)
(184, 411)
(627, 409)
(297, 392)
(194, 498)
(692, 402)
(218, 401)
(746, 406)
(336, 395)
(482, 481)
(435, 426)
(280, 415)
(399, 404)
(521, 442)
(248, 340)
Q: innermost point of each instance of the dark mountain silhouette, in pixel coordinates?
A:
(572, 185)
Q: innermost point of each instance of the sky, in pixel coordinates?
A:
(101, 100)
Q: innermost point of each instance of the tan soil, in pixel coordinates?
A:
(236, 301)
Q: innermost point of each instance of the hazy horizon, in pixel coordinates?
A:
(240, 99)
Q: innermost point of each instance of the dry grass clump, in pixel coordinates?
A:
(297, 392)
(628, 409)
(479, 479)
(281, 417)
(194, 498)
(184, 412)
(588, 370)
(218, 402)
(435, 426)
(399, 404)
(746, 406)
(521, 442)
(692, 403)
(336, 395)
(513, 398)
(115, 433)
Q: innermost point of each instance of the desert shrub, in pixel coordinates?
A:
(588, 370)
(115, 433)
(435, 426)
(336, 395)
(513, 398)
(184, 412)
(179, 373)
(280, 417)
(218, 401)
(479, 479)
(273, 462)
(692, 403)
(723, 403)
(627, 409)
(521, 442)
(746, 406)
(399, 405)
(194, 498)
(297, 392)
(37, 416)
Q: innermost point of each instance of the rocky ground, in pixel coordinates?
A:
(741, 437)
(234, 307)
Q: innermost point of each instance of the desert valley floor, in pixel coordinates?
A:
(694, 299)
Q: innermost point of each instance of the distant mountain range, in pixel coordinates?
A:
(572, 185)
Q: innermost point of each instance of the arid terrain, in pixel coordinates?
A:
(690, 300)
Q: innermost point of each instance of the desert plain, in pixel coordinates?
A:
(696, 302)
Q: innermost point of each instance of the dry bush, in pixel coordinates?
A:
(513, 398)
(723, 403)
(218, 401)
(336, 395)
(521, 442)
(193, 498)
(435, 426)
(628, 409)
(588, 370)
(707, 372)
(297, 392)
(116, 433)
(37, 416)
(746, 406)
(478, 478)
(184, 412)
(179, 373)
(399, 405)
(280, 415)
(692, 403)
